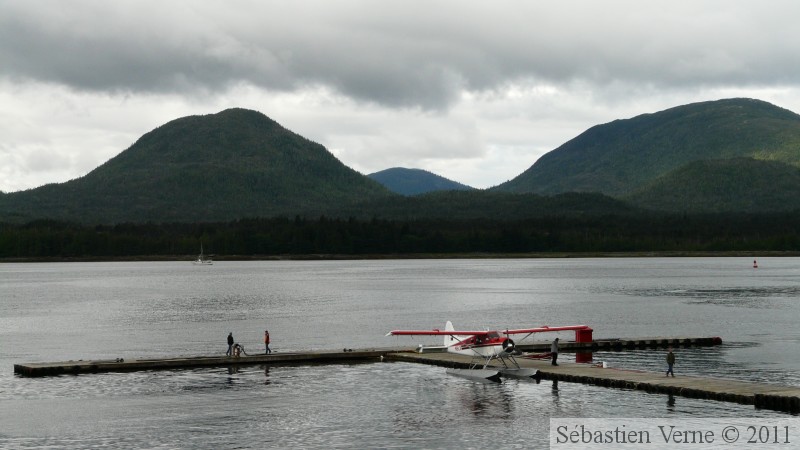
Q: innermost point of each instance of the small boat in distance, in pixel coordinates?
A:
(202, 259)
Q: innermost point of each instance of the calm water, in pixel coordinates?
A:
(54, 312)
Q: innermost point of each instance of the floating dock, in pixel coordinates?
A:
(132, 365)
(321, 356)
(619, 344)
(762, 395)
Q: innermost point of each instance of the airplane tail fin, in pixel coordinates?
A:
(448, 340)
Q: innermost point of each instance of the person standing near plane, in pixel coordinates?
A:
(230, 345)
(266, 342)
(670, 363)
(554, 351)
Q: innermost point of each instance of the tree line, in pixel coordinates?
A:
(263, 237)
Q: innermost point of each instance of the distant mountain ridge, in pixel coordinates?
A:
(236, 163)
(240, 164)
(623, 156)
(415, 181)
(736, 155)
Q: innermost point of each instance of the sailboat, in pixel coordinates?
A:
(202, 259)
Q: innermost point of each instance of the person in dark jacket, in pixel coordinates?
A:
(230, 345)
(554, 351)
(670, 363)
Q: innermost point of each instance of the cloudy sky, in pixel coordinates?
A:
(475, 91)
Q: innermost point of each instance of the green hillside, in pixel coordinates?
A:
(237, 163)
(620, 157)
(726, 156)
(415, 181)
(739, 184)
(490, 205)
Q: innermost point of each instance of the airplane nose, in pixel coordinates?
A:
(508, 345)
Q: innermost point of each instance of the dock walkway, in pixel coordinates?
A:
(131, 365)
(762, 395)
(619, 344)
(317, 356)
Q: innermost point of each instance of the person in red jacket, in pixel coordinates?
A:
(266, 342)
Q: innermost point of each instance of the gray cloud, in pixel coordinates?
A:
(398, 54)
(474, 91)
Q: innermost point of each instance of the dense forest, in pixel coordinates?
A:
(264, 238)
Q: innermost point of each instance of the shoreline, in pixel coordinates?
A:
(347, 257)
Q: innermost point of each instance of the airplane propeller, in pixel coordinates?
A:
(508, 345)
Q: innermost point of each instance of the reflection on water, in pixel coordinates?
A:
(363, 405)
(485, 400)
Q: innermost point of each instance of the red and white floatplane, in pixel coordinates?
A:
(483, 347)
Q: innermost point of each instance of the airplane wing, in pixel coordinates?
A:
(436, 333)
(545, 329)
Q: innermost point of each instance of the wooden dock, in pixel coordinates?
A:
(131, 365)
(762, 395)
(620, 344)
(321, 356)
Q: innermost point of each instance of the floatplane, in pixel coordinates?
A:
(483, 347)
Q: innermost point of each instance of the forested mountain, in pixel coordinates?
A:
(415, 181)
(624, 156)
(237, 163)
(734, 155)
(494, 206)
(724, 185)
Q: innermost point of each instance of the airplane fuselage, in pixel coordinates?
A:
(485, 345)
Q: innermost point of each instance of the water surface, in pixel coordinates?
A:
(54, 312)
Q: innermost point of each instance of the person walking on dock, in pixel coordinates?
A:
(554, 351)
(670, 363)
(266, 342)
(230, 345)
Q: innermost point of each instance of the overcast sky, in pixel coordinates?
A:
(473, 91)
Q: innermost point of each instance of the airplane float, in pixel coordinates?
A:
(483, 347)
